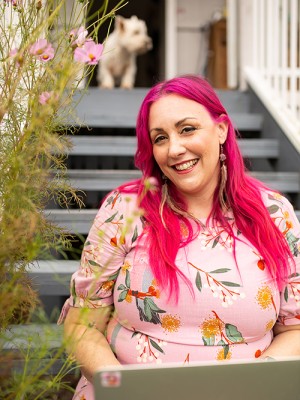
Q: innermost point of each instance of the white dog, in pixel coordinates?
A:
(118, 65)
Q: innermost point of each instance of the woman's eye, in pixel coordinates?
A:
(159, 139)
(188, 129)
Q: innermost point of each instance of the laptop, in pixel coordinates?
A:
(230, 380)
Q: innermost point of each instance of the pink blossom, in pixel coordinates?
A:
(14, 3)
(43, 50)
(18, 58)
(89, 53)
(44, 97)
(78, 36)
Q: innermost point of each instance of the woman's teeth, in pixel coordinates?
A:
(186, 165)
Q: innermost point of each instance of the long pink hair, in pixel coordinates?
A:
(243, 194)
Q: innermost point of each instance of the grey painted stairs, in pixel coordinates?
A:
(102, 159)
(115, 111)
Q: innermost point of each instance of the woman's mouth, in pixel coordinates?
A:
(186, 165)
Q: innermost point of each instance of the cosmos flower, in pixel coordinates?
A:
(90, 53)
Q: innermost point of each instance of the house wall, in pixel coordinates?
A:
(193, 20)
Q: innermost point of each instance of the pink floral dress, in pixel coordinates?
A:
(229, 314)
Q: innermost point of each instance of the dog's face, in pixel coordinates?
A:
(132, 33)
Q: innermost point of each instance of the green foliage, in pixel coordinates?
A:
(33, 145)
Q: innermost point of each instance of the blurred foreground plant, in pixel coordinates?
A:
(47, 51)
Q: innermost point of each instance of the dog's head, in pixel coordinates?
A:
(132, 34)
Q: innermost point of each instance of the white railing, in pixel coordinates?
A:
(274, 72)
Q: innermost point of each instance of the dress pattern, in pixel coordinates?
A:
(214, 320)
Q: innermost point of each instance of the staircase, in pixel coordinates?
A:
(102, 159)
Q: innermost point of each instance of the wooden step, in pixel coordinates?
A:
(44, 340)
(105, 180)
(80, 221)
(126, 146)
(97, 108)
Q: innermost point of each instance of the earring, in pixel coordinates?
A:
(223, 180)
(164, 197)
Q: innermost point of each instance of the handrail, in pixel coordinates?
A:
(275, 70)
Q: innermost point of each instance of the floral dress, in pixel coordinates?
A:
(229, 314)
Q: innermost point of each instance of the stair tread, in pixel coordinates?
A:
(97, 108)
(126, 146)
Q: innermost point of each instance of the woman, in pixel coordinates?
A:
(197, 259)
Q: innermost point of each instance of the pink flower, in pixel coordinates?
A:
(45, 97)
(89, 53)
(14, 3)
(78, 36)
(43, 50)
(18, 58)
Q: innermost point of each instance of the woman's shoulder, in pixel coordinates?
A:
(280, 209)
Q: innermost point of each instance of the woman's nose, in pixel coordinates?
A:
(176, 147)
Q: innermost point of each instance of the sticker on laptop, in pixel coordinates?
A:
(110, 379)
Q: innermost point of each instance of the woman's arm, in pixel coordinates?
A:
(84, 335)
(286, 342)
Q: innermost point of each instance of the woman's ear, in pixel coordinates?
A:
(222, 127)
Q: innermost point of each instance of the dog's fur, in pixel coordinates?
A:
(118, 65)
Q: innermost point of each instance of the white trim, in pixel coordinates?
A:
(232, 37)
(171, 38)
(285, 119)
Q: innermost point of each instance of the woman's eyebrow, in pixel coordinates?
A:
(183, 120)
(178, 123)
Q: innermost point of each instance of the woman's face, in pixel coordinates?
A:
(186, 145)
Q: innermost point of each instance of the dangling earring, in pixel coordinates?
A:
(223, 180)
(164, 196)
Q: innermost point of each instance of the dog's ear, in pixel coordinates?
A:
(120, 23)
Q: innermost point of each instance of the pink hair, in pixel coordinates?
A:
(243, 194)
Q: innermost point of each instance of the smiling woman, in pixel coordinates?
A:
(188, 256)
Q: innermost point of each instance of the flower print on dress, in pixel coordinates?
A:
(282, 219)
(170, 323)
(292, 289)
(265, 299)
(83, 298)
(217, 332)
(217, 236)
(226, 291)
(89, 259)
(148, 349)
(148, 310)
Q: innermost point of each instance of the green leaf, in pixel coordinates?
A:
(156, 346)
(286, 294)
(233, 334)
(294, 275)
(87, 243)
(231, 284)
(114, 276)
(273, 209)
(226, 350)
(122, 287)
(216, 241)
(198, 281)
(220, 271)
(147, 311)
(122, 295)
(209, 341)
(134, 334)
(94, 264)
(135, 235)
(221, 343)
(292, 241)
(127, 279)
(110, 219)
(121, 217)
(152, 305)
